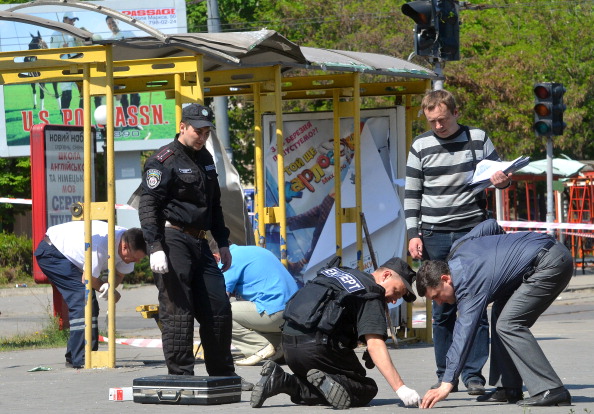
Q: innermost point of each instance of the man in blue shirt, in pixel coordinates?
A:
(262, 286)
(521, 274)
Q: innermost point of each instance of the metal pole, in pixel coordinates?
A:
(220, 102)
(550, 198)
(437, 84)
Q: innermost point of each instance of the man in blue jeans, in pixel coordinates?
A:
(440, 207)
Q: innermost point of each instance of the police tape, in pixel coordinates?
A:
(544, 225)
(15, 200)
(8, 200)
(139, 342)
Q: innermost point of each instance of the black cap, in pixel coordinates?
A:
(406, 274)
(198, 116)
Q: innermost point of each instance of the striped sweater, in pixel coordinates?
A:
(438, 172)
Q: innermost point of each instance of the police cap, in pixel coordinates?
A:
(406, 274)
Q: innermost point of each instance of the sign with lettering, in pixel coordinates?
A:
(309, 177)
(142, 121)
(64, 171)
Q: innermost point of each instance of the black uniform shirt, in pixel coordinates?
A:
(180, 186)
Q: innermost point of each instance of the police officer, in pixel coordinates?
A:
(324, 321)
(180, 201)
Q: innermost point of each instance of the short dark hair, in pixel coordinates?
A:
(435, 98)
(429, 275)
(134, 238)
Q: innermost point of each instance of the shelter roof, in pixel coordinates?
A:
(227, 50)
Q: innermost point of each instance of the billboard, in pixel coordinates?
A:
(143, 121)
(308, 148)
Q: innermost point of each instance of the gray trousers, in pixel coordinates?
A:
(516, 356)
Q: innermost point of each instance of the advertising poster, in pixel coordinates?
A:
(142, 121)
(309, 188)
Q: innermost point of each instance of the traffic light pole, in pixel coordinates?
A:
(437, 68)
(550, 198)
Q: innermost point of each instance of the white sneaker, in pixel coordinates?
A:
(263, 353)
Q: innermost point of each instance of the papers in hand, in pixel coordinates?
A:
(486, 168)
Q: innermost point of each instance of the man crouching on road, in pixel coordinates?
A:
(324, 321)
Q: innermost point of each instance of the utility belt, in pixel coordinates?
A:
(308, 338)
(197, 234)
(544, 250)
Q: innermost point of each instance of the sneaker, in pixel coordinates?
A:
(263, 353)
(336, 395)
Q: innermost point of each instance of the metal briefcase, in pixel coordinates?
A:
(186, 390)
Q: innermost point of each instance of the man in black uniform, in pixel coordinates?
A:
(324, 321)
(180, 201)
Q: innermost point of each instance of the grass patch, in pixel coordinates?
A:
(50, 337)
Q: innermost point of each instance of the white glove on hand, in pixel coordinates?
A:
(409, 397)
(159, 262)
(103, 291)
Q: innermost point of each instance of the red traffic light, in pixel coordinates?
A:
(543, 91)
(420, 11)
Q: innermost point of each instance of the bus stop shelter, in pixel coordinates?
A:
(263, 66)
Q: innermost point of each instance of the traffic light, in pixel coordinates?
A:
(548, 109)
(448, 29)
(423, 13)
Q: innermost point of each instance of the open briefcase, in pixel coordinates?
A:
(186, 390)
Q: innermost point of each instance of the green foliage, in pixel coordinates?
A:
(15, 182)
(15, 258)
(142, 273)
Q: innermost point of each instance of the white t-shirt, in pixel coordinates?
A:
(69, 239)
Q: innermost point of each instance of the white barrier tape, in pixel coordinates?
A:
(544, 225)
(28, 201)
(15, 200)
(138, 342)
(124, 207)
(571, 233)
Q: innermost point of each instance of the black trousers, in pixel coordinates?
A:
(342, 365)
(194, 288)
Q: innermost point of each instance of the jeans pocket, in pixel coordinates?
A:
(427, 233)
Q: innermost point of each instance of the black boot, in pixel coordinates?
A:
(336, 395)
(274, 381)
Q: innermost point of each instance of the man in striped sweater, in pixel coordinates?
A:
(440, 208)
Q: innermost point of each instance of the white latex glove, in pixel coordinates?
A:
(103, 291)
(159, 262)
(409, 397)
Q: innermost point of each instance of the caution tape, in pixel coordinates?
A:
(544, 225)
(9, 200)
(15, 200)
(139, 342)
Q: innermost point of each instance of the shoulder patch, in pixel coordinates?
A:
(163, 155)
(153, 178)
(210, 167)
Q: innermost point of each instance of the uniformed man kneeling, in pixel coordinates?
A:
(324, 321)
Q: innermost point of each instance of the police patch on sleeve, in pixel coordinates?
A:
(153, 178)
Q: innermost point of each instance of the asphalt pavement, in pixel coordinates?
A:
(565, 332)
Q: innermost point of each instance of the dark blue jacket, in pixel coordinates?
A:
(485, 265)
